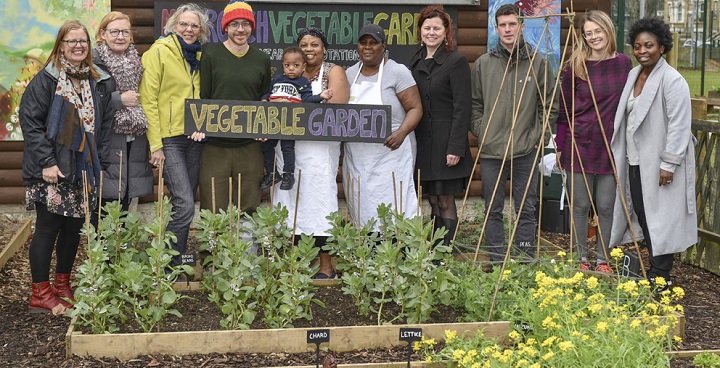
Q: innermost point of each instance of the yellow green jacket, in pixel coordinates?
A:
(165, 85)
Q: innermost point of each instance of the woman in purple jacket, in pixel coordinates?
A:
(591, 87)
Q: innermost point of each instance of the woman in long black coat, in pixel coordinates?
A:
(443, 77)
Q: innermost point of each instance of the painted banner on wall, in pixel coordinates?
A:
(27, 36)
(277, 25)
(547, 42)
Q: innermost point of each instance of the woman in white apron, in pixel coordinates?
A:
(368, 167)
(317, 160)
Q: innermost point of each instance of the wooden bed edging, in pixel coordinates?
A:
(17, 241)
(293, 340)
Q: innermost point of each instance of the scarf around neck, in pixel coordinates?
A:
(71, 121)
(190, 52)
(127, 70)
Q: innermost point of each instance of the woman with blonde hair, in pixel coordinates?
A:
(115, 53)
(172, 75)
(65, 116)
(592, 83)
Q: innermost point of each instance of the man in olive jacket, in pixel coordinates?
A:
(509, 128)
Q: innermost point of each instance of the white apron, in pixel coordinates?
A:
(372, 166)
(318, 185)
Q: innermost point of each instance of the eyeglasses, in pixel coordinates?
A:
(235, 25)
(590, 34)
(116, 32)
(73, 43)
(185, 25)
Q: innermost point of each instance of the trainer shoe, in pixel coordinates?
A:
(288, 180)
(267, 180)
(605, 268)
(584, 266)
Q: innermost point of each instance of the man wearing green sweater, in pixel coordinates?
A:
(233, 70)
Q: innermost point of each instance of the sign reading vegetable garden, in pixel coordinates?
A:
(298, 121)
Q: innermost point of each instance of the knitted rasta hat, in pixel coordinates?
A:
(237, 9)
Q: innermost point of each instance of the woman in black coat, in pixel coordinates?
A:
(65, 116)
(443, 77)
(128, 175)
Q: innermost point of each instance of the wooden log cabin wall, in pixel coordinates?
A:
(472, 42)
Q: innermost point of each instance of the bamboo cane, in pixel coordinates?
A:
(212, 186)
(100, 190)
(297, 201)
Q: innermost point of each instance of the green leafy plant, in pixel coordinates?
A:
(276, 277)
(98, 303)
(399, 265)
(127, 272)
(574, 320)
(707, 360)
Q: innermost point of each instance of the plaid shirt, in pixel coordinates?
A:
(608, 79)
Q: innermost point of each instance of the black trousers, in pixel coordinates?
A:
(659, 265)
(53, 232)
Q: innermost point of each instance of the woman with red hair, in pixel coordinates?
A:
(442, 75)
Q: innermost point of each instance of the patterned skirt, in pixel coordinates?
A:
(64, 199)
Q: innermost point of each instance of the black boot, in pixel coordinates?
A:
(451, 226)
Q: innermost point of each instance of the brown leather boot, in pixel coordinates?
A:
(43, 298)
(62, 288)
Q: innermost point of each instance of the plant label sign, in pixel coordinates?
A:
(410, 334)
(318, 337)
(188, 259)
(288, 121)
(631, 265)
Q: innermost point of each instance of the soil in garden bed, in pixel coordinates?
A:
(39, 340)
(199, 314)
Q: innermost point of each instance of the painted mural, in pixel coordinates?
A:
(27, 34)
(548, 42)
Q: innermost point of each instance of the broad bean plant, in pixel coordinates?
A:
(127, 272)
(403, 264)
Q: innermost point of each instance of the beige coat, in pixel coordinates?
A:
(662, 138)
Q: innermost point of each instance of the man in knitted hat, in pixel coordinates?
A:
(223, 158)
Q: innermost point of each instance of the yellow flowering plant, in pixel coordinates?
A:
(574, 320)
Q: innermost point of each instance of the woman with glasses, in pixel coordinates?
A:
(172, 74)
(591, 87)
(115, 53)
(65, 115)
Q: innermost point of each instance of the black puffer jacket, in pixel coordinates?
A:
(138, 182)
(39, 151)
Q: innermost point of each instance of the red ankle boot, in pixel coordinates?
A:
(62, 288)
(43, 298)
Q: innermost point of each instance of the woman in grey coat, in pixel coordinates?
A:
(654, 153)
(116, 54)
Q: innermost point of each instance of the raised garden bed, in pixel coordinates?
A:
(21, 235)
(127, 346)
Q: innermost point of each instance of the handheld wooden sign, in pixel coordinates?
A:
(289, 121)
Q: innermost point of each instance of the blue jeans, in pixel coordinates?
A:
(182, 174)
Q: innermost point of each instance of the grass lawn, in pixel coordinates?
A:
(712, 80)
